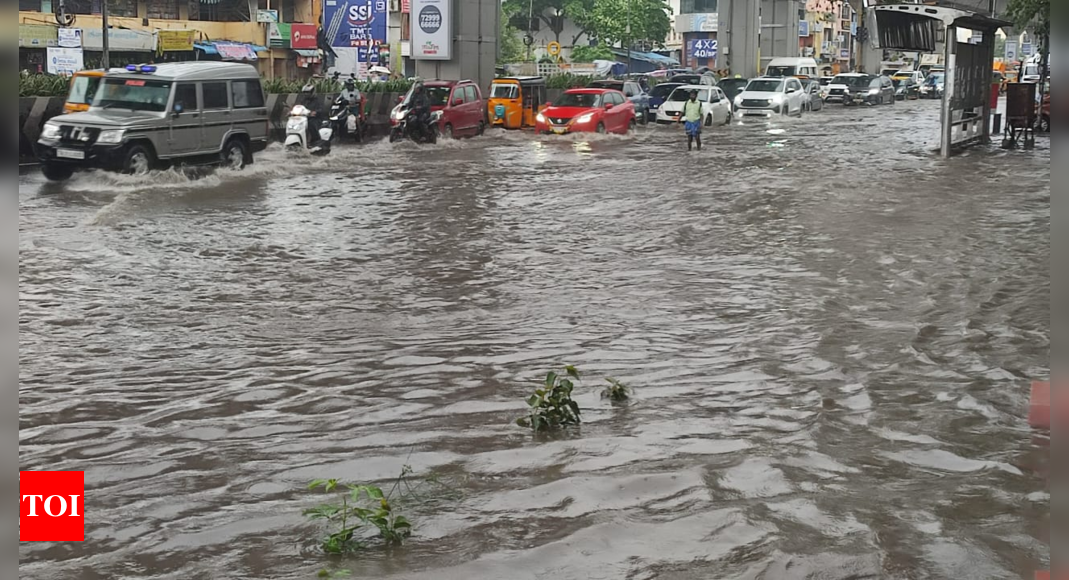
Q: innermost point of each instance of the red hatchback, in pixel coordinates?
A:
(586, 111)
(457, 105)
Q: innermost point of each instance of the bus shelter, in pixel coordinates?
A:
(968, 39)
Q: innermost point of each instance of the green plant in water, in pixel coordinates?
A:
(551, 406)
(324, 573)
(616, 392)
(361, 505)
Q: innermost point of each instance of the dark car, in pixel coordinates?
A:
(659, 93)
(732, 87)
(867, 89)
(634, 93)
(694, 79)
(906, 88)
(814, 95)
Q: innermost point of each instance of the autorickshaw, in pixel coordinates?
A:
(514, 102)
(83, 88)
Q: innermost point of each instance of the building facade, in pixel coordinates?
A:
(696, 27)
(827, 33)
(279, 36)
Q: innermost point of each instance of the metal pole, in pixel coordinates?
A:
(628, 36)
(105, 61)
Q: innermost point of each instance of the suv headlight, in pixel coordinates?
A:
(50, 131)
(111, 136)
(738, 101)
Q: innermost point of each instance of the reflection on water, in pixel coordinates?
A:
(830, 331)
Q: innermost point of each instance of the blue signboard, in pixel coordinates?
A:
(359, 24)
(1026, 48)
(803, 28)
(704, 48)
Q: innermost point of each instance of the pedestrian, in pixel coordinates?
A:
(692, 120)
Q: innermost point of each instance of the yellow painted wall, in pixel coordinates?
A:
(250, 32)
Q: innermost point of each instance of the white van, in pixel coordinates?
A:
(792, 67)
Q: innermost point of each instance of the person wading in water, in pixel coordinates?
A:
(692, 120)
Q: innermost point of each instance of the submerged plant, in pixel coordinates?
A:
(551, 406)
(360, 505)
(616, 392)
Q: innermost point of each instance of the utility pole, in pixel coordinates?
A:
(106, 60)
(628, 36)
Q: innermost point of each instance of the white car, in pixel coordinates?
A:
(716, 108)
(771, 96)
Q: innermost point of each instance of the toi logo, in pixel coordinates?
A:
(51, 506)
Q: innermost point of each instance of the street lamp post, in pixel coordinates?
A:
(106, 59)
(628, 36)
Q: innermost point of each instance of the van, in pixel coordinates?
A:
(803, 68)
(148, 116)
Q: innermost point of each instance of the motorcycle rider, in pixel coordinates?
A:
(420, 108)
(310, 101)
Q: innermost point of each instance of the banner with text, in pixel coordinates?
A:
(65, 61)
(432, 29)
(354, 29)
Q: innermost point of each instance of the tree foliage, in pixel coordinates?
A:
(604, 20)
(649, 21)
(1034, 13)
(509, 39)
(591, 53)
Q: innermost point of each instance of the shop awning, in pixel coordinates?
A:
(306, 53)
(650, 57)
(205, 47)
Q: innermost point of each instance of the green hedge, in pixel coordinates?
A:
(37, 85)
(330, 86)
(41, 85)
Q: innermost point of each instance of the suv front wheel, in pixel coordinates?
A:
(234, 155)
(57, 171)
(138, 160)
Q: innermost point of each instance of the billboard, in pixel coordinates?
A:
(356, 24)
(432, 29)
(64, 61)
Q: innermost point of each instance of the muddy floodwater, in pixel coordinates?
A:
(830, 332)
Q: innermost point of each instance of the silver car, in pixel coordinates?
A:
(148, 116)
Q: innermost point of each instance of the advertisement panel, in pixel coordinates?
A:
(64, 61)
(37, 36)
(1011, 51)
(303, 36)
(119, 40)
(70, 37)
(355, 23)
(176, 40)
(705, 48)
(432, 29)
(704, 22)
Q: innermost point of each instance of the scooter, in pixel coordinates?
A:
(297, 132)
(417, 132)
(347, 114)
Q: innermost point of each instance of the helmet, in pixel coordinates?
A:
(308, 89)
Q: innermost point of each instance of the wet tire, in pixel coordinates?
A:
(482, 128)
(138, 160)
(632, 127)
(448, 133)
(57, 171)
(731, 118)
(601, 128)
(234, 155)
(394, 136)
(708, 121)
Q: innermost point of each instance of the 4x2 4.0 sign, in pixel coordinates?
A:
(432, 33)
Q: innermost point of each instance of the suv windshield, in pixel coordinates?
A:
(586, 100)
(504, 91)
(134, 94)
(82, 89)
(781, 71)
(852, 81)
(663, 90)
(765, 86)
(732, 86)
(682, 94)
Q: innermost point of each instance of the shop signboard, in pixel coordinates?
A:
(37, 36)
(69, 37)
(432, 29)
(304, 36)
(65, 61)
(176, 40)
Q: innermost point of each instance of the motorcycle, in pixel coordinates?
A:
(347, 113)
(417, 131)
(297, 132)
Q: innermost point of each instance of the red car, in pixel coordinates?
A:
(457, 105)
(587, 111)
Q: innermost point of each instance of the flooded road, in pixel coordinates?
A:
(830, 332)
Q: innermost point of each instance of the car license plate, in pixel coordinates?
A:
(559, 130)
(70, 154)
